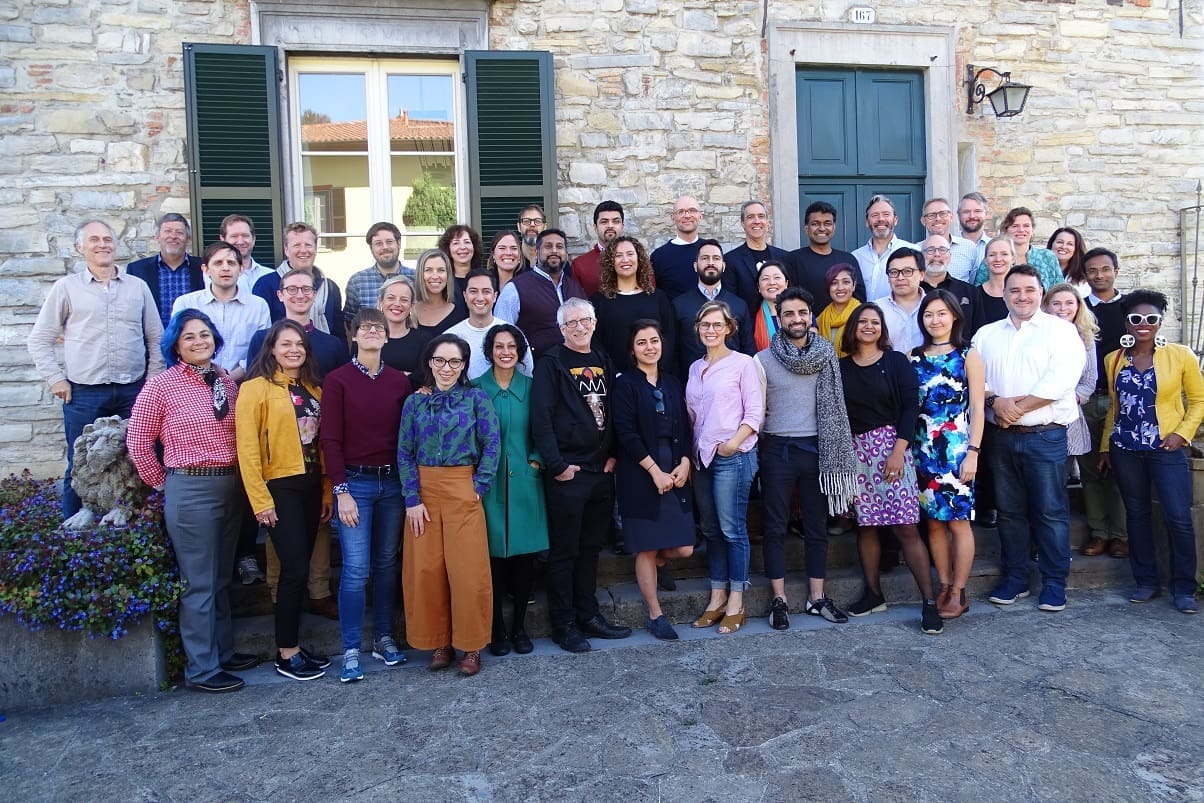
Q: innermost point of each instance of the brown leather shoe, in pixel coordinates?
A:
(470, 664)
(443, 657)
(326, 606)
(1094, 546)
(1118, 548)
(943, 597)
(954, 606)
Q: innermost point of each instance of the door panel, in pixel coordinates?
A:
(827, 146)
(890, 124)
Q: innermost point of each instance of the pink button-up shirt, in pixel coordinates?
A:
(720, 397)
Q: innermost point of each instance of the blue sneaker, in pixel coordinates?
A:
(1007, 593)
(1185, 603)
(1052, 599)
(351, 667)
(385, 649)
(1144, 594)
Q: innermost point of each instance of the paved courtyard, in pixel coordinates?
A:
(1101, 702)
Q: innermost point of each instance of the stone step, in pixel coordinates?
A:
(621, 602)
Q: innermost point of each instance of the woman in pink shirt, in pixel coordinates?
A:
(726, 405)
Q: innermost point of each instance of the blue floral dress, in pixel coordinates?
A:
(942, 436)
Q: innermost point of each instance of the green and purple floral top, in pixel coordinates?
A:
(456, 427)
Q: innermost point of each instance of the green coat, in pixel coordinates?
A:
(515, 514)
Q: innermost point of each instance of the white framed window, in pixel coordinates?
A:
(376, 139)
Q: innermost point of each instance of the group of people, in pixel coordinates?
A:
(483, 408)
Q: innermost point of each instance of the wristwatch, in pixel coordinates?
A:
(990, 401)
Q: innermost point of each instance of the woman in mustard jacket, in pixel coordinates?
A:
(277, 417)
(515, 515)
(1145, 441)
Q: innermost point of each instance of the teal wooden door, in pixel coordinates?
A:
(860, 134)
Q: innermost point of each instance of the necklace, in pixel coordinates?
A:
(946, 343)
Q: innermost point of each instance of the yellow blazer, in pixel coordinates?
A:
(1177, 373)
(269, 446)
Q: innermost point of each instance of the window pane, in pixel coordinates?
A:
(338, 203)
(422, 143)
(333, 112)
(421, 97)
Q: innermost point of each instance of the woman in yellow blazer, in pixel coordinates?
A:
(1145, 441)
(277, 417)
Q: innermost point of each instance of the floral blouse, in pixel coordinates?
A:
(456, 427)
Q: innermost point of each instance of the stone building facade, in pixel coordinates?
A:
(653, 98)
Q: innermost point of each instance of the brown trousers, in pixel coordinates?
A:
(445, 574)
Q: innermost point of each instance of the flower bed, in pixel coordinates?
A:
(101, 582)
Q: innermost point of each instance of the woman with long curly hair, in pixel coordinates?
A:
(627, 293)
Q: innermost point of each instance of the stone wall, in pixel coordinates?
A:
(654, 98)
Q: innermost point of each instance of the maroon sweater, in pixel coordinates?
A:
(360, 418)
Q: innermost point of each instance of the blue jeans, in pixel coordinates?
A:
(721, 491)
(370, 545)
(1138, 473)
(1030, 495)
(88, 403)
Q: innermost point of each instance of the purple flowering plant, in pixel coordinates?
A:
(99, 581)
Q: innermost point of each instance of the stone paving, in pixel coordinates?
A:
(1099, 702)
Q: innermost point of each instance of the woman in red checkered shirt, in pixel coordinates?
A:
(189, 408)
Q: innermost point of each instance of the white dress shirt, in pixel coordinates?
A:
(963, 258)
(1044, 357)
(873, 266)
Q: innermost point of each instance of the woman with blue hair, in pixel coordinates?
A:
(189, 408)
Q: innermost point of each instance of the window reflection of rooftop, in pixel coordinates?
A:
(405, 134)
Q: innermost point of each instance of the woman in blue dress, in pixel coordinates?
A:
(947, 440)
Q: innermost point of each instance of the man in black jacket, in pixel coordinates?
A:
(173, 271)
(709, 266)
(571, 428)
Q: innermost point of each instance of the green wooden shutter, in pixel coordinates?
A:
(511, 136)
(231, 94)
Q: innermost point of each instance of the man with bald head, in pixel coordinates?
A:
(937, 253)
(673, 262)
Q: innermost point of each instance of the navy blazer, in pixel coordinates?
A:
(147, 270)
(633, 409)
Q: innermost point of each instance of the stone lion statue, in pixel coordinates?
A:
(104, 476)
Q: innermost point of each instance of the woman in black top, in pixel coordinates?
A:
(626, 293)
(403, 349)
(882, 397)
(987, 305)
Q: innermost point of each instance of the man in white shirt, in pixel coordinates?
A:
(480, 294)
(1033, 361)
(900, 309)
(236, 312)
(963, 254)
(880, 219)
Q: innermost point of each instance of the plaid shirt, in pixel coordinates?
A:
(363, 287)
(172, 285)
(176, 408)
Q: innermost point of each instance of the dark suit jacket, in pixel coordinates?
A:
(148, 271)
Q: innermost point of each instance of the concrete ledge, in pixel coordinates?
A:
(51, 667)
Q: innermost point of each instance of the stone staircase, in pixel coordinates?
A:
(620, 599)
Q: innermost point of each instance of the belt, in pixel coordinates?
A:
(1032, 430)
(379, 471)
(205, 471)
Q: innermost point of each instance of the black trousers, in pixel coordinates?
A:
(578, 518)
(786, 464)
(298, 502)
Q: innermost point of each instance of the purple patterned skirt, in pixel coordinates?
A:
(880, 503)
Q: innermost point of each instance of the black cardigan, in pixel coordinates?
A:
(633, 409)
(868, 409)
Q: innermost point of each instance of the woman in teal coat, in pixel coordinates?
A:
(515, 515)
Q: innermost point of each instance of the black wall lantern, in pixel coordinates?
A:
(1007, 99)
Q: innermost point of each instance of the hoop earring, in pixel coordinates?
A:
(1127, 341)
(1159, 341)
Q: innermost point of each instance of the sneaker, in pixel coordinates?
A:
(1144, 594)
(351, 667)
(661, 628)
(249, 572)
(930, 619)
(298, 668)
(385, 649)
(1007, 593)
(826, 609)
(1185, 603)
(779, 614)
(1052, 599)
(869, 603)
(320, 661)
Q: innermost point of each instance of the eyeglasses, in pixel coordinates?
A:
(441, 362)
(690, 211)
(372, 327)
(660, 400)
(579, 323)
(895, 273)
(712, 326)
(934, 250)
(530, 221)
(1137, 319)
(937, 215)
(295, 290)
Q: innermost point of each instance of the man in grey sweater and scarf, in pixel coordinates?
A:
(806, 444)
